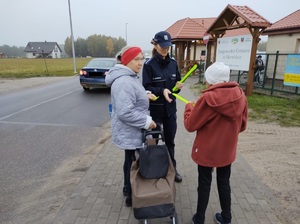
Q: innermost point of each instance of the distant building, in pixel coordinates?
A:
(42, 50)
(284, 35)
(2, 55)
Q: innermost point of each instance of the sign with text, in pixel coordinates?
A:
(235, 51)
(292, 71)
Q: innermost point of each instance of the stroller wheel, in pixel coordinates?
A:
(174, 219)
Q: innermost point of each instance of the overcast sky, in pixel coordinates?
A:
(23, 21)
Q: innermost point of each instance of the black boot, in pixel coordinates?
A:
(178, 178)
(128, 201)
(125, 191)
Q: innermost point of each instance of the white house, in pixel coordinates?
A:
(42, 49)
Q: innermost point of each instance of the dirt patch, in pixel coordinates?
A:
(274, 154)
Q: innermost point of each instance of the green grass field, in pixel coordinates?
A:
(26, 68)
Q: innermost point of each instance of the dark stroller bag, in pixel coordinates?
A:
(154, 159)
(153, 197)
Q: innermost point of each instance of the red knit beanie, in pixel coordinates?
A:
(130, 54)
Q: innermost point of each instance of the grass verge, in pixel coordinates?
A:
(26, 68)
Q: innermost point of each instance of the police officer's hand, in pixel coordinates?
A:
(166, 95)
(179, 85)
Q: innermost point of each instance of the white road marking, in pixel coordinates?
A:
(36, 105)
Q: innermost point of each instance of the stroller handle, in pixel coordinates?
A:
(158, 131)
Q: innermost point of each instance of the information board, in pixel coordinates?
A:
(235, 51)
(292, 71)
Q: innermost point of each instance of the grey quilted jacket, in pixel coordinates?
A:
(130, 106)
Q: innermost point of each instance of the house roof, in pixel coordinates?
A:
(288, 24)
(195, 28)
(235, 17)
(41, 47)
(232, 21)
(188, 28)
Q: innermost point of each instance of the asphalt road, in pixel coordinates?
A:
(40, 128)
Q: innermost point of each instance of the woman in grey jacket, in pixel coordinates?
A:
(130, 104)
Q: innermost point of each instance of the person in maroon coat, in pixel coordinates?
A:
(218, 116)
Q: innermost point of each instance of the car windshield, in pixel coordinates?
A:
(101, 63)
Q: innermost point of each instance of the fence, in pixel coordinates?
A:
(275, 65)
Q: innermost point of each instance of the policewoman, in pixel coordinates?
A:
(160, 75)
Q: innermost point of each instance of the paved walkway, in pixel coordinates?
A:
(98, 197)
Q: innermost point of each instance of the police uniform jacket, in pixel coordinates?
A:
(159, 74)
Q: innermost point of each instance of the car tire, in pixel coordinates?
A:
(86, 88)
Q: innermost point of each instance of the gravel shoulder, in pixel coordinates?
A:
(12, 85)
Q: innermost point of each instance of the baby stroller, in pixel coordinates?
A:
(152, 178)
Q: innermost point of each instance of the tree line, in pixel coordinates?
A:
(12, 52)
(95, 46)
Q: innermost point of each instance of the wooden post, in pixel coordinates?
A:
(195, 48)
(180, 56)
(249, 85)
(215, 38)
(208, 55)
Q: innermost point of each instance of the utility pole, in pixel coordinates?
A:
(72, 38)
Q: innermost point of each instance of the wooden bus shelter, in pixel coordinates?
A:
(233, 20)
(237, 17)
(187, 35)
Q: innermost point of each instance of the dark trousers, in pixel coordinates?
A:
(204, 184)
(129, 157)
(255, 76)
(169, 124)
